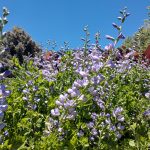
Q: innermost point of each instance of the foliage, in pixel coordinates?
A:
(140, 40)
(89, 102)
(18, 43)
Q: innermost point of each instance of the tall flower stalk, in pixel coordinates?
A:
(123, 15)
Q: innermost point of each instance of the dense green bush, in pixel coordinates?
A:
(91, 102)
(18, 43)
(141, 39)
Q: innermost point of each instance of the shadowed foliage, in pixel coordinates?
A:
(19, 43)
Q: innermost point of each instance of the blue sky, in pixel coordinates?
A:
(63, 20)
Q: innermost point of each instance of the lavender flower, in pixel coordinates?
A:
(147, 95)
(6, 73)
(111, 64)
(94, 116)
(70, 91)
(3, 107)
(94, 132)
(78, 83)
(119, 18)
(109, 37)
(116, 26)
(80, 133)
(1, 114)
(69, 103)
(109, 47)
(95, 58)
(58, 103)
(83, 73)
(2, 125)
(112, 128)
(92, 138)
(55, 112)
(25, 98)
(60, 130)
(101, 105)
(121, 36)
(91, 89)
(120, 127)
(107, 115)
(147, 113)
(96, 67)
(82, 98)
(72, 115)
(62, 98)
(108, 121)
(85, 81)
(118, 135)
(120, 118)
(2, 101)
(75, 93)
(90, 125)
(25, 91)
(35, 88)
(117, 111)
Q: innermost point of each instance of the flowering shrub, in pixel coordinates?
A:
(3, 92)
(90, 100)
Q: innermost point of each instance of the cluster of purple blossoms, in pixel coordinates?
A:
(31, 102)
(3, 104)
(66, 104)
(113, 121)
(49, 68)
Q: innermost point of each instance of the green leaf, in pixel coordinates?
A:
(149, 135)
(84, 141)
(132, 143)
(73, 140)
(133, 126)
